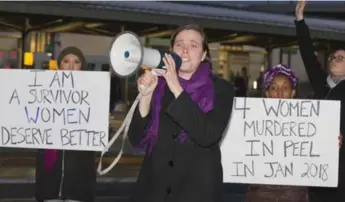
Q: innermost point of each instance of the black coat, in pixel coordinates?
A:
(78, 182)
(190, 172)
(241, 84)
(317, 77)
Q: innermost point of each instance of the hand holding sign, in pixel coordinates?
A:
(340, 140)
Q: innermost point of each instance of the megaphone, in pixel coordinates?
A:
(127, 55)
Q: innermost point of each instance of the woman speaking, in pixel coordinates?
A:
(180, 120)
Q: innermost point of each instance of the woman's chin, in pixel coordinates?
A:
(336, 71)
(185, 68)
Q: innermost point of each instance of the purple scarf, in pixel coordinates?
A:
(199, 87)
(50, 156)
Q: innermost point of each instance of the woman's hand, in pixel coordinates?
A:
(171, 76)
(340, 138)
(299, 11)
(147, 83)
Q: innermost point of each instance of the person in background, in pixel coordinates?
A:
(180, 120)
(66, 176)
(279, 82)
(241, 83)
(258, 92)
(326, 85)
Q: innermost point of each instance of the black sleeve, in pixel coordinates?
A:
(317, 76)
(205, 129)
(342, 115)
(137, 128)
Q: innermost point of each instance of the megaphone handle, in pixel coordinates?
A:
(142, 88)
(125, 125)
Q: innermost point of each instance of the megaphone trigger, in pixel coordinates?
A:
(145, 68)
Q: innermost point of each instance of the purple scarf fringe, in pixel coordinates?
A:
(50, 156)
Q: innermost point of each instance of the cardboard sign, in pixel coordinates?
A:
(282, 142)
(66, 110)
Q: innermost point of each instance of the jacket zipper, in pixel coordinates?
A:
(62, 174)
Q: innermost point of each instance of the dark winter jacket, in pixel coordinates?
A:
(74, 173)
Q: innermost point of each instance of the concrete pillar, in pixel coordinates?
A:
(23, 46)
(55, 40)
(280, 55)
(268, 59)
(289, 59)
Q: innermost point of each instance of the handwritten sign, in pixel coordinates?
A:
(54, 109)
(282, 142)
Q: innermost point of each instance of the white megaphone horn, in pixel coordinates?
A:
(127, 55)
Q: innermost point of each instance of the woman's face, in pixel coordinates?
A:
(280, 87)
(337, 63)
(188, 45)
(70, 62)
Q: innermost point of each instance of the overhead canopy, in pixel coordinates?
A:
(326, 7)
(222, 23)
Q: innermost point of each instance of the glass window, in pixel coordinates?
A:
(91, 66)
(105, 67)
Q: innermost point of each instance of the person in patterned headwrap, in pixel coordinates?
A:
(279, 82)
